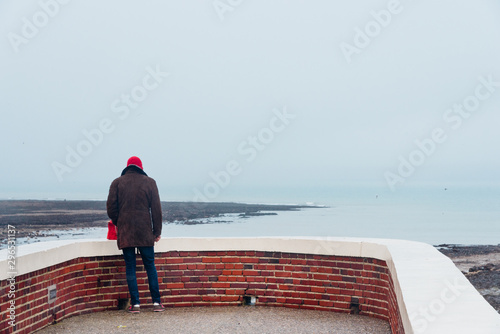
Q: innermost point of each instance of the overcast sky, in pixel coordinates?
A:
(219, 94)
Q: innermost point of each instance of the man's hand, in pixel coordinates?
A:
(158, 238)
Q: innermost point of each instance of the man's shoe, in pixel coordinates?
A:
(158, 307)
(134, 309)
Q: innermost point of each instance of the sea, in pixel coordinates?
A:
(435, 215)
(431, 214)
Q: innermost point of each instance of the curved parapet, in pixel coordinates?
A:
(409, 284)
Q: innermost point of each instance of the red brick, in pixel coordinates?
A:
(91, 265)
(299, 275)
(171, 300)
(317, 289)
(293, 301)
(211, 260)
(251, 273)
(311, 302)
(229, 298)
(249, 260)
(282, 274)
(326, 303)
(320, 277)
(303, 288)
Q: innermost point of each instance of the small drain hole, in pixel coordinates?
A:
(355, 306)
(249, 300)
(122, 304)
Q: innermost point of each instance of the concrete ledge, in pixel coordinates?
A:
(432, 294)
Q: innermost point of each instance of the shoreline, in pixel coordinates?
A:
(34, 218)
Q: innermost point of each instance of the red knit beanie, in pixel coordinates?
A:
(134, 161)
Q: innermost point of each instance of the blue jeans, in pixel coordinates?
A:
(148, 259)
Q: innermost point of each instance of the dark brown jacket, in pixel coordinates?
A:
(134, 207)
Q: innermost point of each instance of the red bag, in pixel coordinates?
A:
(111, 231)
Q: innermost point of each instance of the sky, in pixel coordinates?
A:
(217, 95)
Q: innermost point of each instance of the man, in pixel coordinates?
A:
(134, 207)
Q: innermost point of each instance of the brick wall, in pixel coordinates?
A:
(315, 282)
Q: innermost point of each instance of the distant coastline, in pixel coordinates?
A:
(38, 217)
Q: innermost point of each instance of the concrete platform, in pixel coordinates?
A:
(200, 320)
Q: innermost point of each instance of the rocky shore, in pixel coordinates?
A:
(481, 265)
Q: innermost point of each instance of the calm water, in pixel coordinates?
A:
(462, 215)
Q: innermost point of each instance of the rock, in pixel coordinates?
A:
(487, 267)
